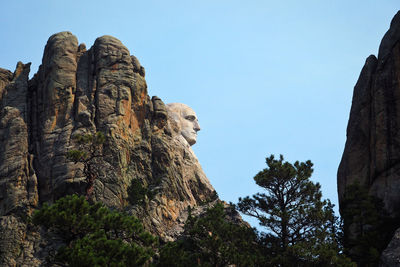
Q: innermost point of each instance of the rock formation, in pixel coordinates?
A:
(390, 256)
(372, 153)
(78, 91)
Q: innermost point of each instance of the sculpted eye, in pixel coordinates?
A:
(190, 118)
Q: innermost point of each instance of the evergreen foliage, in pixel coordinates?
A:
(137, 193)
(301, 229)
(367, 227)
(95, 235)
(211, 240)
(89, 153)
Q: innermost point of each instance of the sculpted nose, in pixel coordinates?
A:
(196, 126)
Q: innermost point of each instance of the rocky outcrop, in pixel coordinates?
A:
(391, 255)
(372, 151)
(371, 156)
(78, 91)
(18, 183)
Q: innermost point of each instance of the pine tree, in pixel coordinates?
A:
(300, 227)
(366, 225)
(89, 154)
(212, 240)
(95, 235)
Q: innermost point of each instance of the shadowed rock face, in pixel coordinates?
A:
(78, 91)
(372, 151)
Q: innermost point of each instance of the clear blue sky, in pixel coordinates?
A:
(265, 77)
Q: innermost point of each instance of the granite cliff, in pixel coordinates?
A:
(79, 91)
(371, 156)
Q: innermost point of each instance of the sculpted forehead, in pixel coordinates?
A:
(180, 110)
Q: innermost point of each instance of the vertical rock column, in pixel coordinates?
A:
(122, 111)
(52, 100)
(18, 183)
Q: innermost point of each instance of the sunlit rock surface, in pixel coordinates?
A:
(79, 91)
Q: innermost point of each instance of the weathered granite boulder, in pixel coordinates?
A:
(78, 91)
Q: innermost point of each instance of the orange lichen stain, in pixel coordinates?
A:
(114, 67)
(127, 156)
(54, 123)
(126, 105)
(173, 209)
(128, 124)
(19, 181)
(18, 71)
(129, 119)
(138, 106)
(143, 96)
(141, 101)
(123, 120)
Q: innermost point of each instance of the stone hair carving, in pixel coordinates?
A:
(186, 119)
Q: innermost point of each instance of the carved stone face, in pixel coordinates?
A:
(186, 119)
